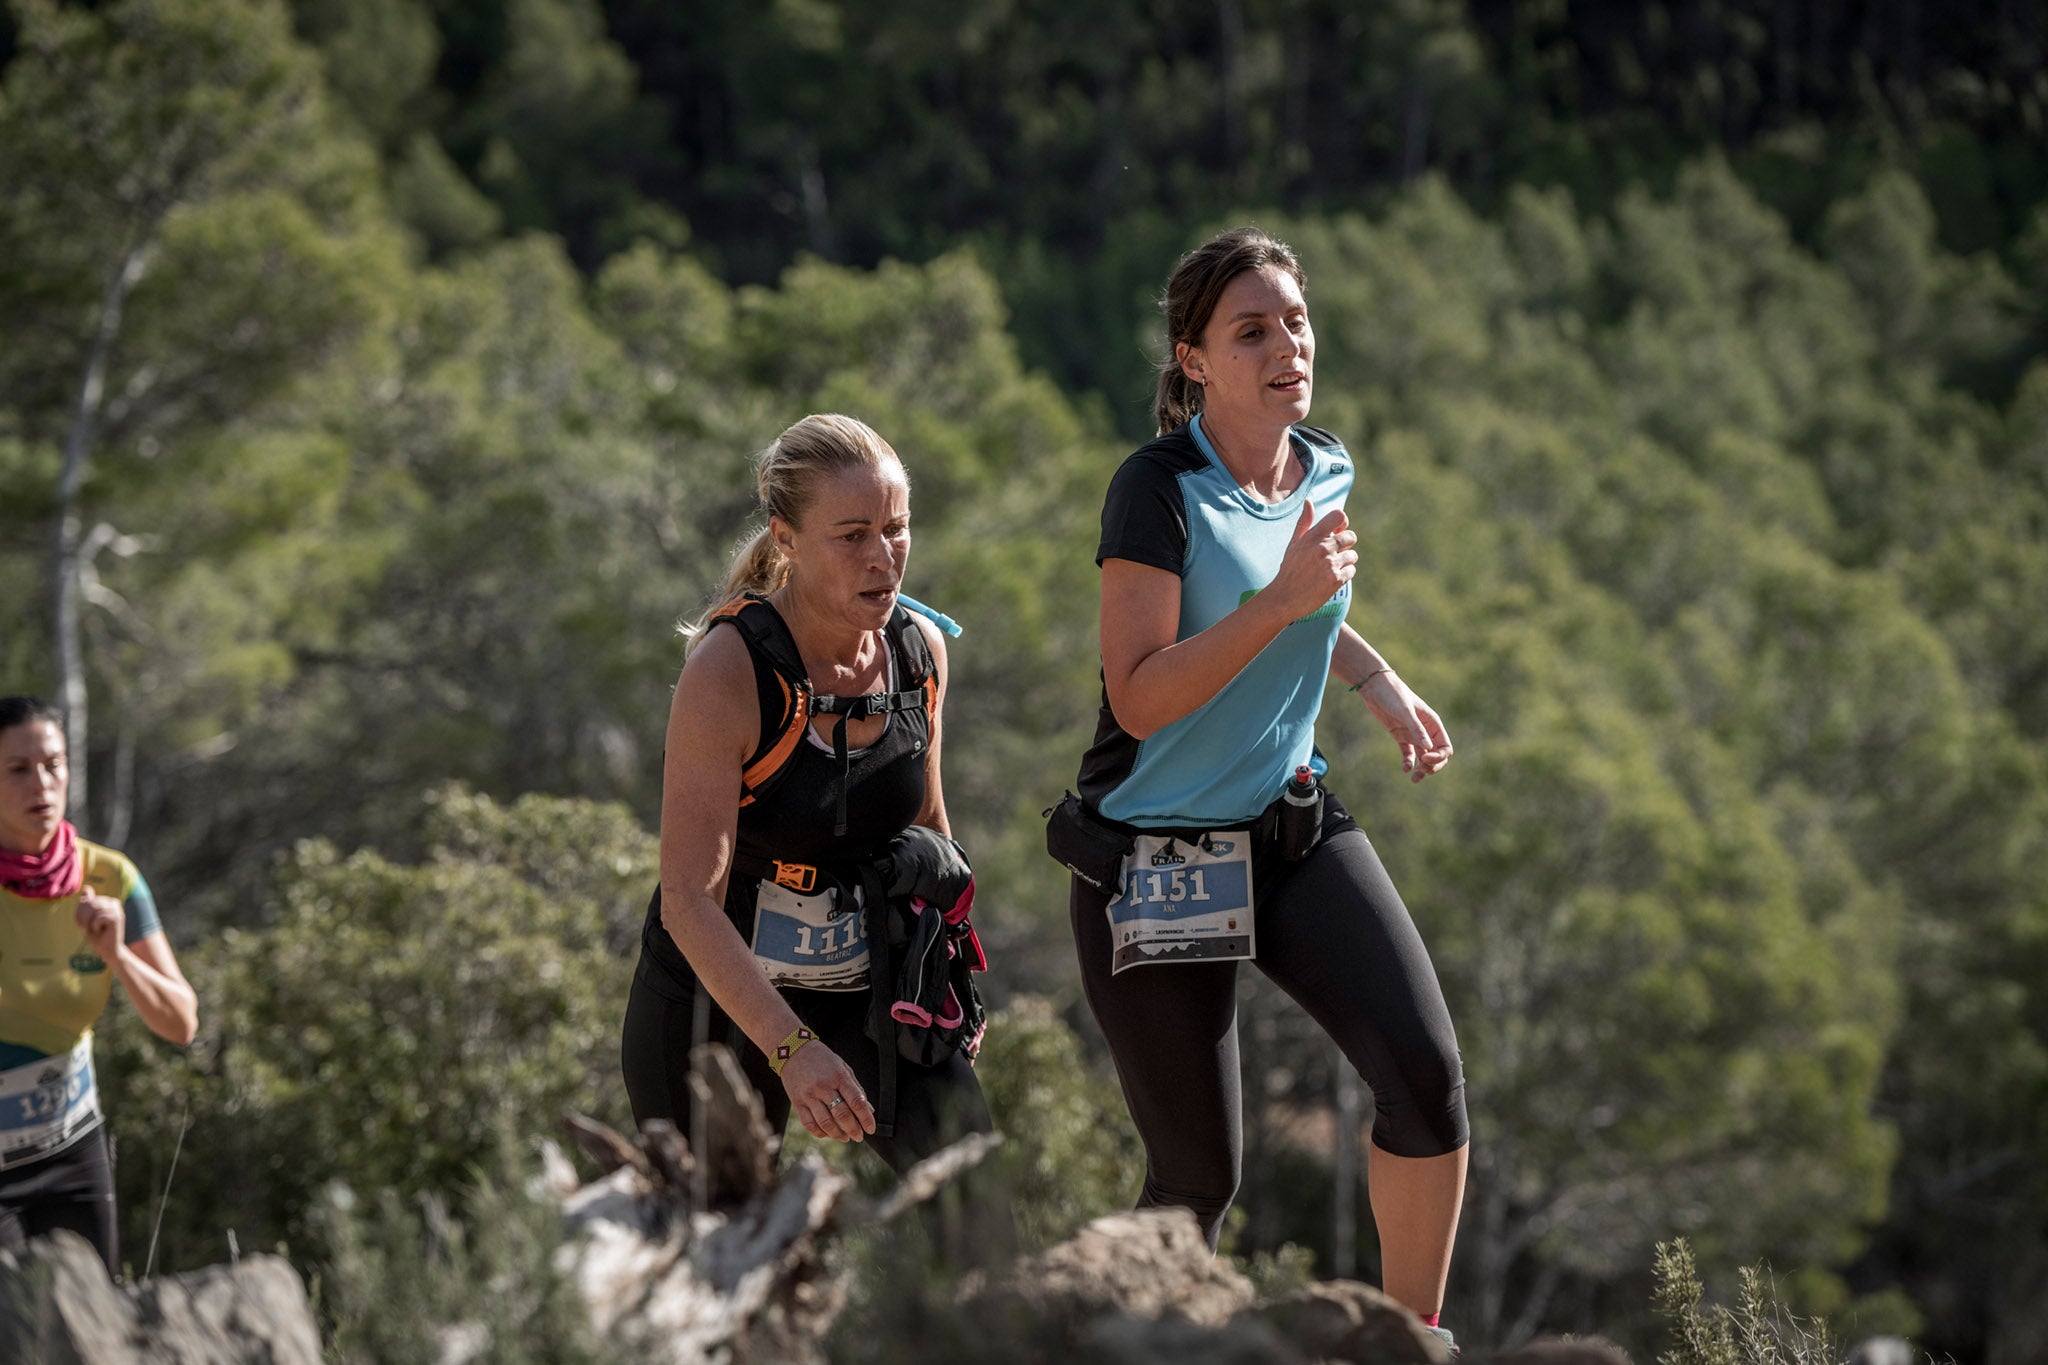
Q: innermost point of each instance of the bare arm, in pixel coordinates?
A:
(1425, 746)
(146, 968)
(161, 995)
(1354, 660)
(1153, 679)
(713, 725)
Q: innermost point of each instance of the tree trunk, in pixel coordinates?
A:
(78, 445)
(1254, 1038)
(817, 207)
(121, 810)
(1493, 1256)
(1230, 35)
(1785, 60)
(1414, 130)
(1297, 137)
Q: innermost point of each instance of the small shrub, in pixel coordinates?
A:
(1276, 1274)
(407, 1279)
(1759, 1330)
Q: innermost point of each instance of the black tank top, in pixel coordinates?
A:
(791, 817)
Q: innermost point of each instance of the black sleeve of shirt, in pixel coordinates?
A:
(1143, 518)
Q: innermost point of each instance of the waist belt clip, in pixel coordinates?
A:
(796, 876)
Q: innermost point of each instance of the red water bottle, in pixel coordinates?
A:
(1301, 815)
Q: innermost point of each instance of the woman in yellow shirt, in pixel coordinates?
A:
(74, 917)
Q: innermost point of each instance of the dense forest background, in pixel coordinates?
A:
(376, 384)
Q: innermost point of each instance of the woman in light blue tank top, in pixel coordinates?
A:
(1226, 564)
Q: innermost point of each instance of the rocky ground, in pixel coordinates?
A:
(707, 1256)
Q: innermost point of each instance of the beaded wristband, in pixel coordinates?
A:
(788, 1048)
(1359, 686)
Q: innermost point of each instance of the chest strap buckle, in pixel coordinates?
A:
(796, 876)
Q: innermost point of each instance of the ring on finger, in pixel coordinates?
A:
(835, 1101)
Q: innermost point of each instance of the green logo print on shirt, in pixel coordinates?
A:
(1334, 607)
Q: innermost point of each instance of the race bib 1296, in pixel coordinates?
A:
(45, 1104)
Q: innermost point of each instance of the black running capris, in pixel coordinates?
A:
(72, 1188)
(1332, 933)
(665, 1018)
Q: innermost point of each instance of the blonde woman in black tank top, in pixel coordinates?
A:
(728, 954)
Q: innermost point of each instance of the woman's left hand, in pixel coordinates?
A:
(1425, 747)
(103, 920)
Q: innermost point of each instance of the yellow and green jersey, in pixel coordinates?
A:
(52, 985)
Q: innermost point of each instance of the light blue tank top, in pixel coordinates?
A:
(1224, 763)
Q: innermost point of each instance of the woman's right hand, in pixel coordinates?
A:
(1154, 678)
(815, 1077)
(1320, 560)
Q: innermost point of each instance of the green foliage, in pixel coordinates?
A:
(406, 1281)
(1277, 1273)
(1701, 1338)
(387, 1023)
(1705, 494)
(190, 137)
(191, 249)
(1069, 1154)
(26, 1307)
(1759, 1330)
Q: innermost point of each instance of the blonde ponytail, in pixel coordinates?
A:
(757, 566)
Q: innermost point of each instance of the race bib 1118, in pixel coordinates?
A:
(800, 941)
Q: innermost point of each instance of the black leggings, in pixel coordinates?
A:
(1332, 933)
(935, 1105)
(73, 1188)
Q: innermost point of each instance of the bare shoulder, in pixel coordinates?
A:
(716, 691)
(719, 657)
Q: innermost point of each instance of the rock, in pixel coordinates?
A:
(1119, 1339)
(1146, 1264)
(1344, 1320)
(1883, 1351)
(1565, 1351)
(58, 1306)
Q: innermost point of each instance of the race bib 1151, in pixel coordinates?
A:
(1184, 901)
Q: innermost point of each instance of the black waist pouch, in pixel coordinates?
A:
(1085, 844)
